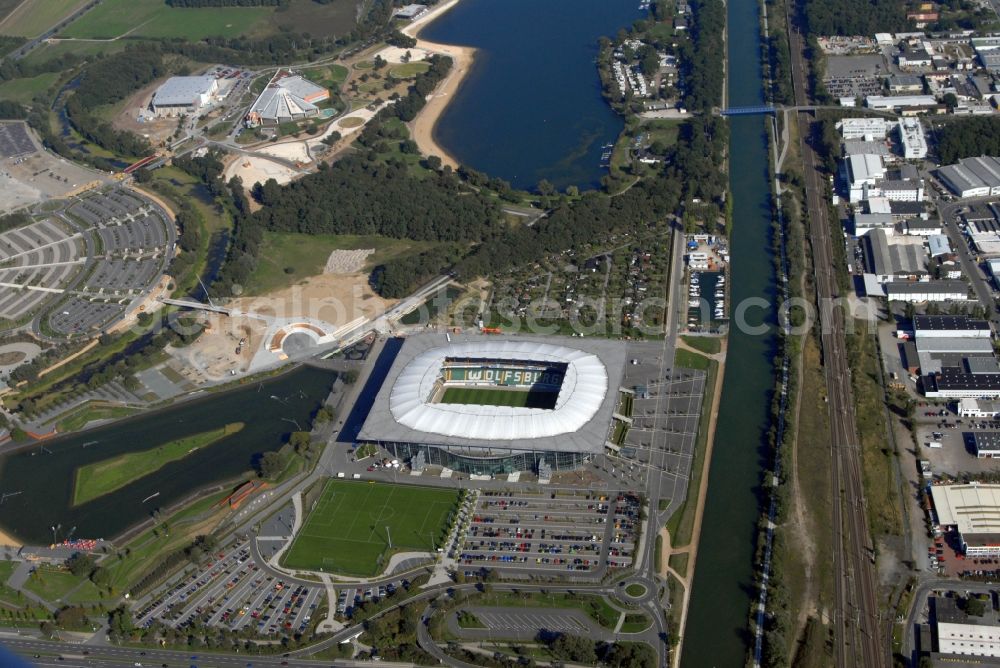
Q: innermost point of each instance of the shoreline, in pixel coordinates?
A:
(462, 58)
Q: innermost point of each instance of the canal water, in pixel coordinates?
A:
(41, 478)
(531, 106)
(717, 632)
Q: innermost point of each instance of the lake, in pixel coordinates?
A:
(531, 107)
(42, 476)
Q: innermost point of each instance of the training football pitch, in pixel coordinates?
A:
(481, 396)
(346, 532)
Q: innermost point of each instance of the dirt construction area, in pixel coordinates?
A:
(336, 299)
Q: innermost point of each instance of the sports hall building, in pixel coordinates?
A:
(488, 405)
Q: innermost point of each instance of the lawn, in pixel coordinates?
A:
(306, 254)
(635, 623)
(36, 16)
(663, 131)
(54, 585)
(351, 527)
(49, 50)
(681, 523)
(143, 553)
(408, 70)
(309, 16)
(155, 19)
(709, 345)
(100, 478)
(331, 76)
(90, 412)
(480, 396)
(24, 90)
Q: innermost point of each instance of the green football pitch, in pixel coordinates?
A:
(481, 396)
(348, 530)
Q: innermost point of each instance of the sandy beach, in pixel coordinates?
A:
(462, 57)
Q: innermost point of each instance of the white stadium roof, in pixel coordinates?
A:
(579, 422)
(582, 392)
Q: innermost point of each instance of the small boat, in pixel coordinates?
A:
(694, 303)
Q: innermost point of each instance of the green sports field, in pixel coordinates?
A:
(482, 396)
(346, 531)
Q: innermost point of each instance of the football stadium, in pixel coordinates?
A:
(486, 405)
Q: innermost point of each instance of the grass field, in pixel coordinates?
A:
(306, 255)
(308, 16)
(24, 90)
(481, 396)
(100, 478)
(706, 344)
(89, 412)
(35, 16)
(408, 70)
(48, 50)
(346, 530)
(154, 18)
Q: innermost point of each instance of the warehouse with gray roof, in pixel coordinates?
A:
(183, 95)
(972, 177)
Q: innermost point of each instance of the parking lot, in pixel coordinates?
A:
(231, 591)
(14, 140)
(550, 532)
(86, 264)
(956, 454)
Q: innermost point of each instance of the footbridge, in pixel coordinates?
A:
(749, 111)
(199, 306)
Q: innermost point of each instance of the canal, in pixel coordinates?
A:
(717, 631)
(37, 483)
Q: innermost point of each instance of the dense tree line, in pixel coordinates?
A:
(12, 221)
(357, 197)
(696, 159)
(8, 43)
(11, 109)
(854, 17)
(107, 81)
(779, 60)
(701, 58)
(20, 69)
(397, 278)
(226, 3)
(968, 138)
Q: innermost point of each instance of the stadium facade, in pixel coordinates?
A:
(488, 405)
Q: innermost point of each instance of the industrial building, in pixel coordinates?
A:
(866, 222)
(960, 634)
(899, 190)
(410, 419)
(955, 357)
(973, 511)
(912, 139)
(985, 443)
(861, 172)
(978, 408)
(183, 95)
(950, 326)
(866, 129)
(972, 177)
(288, 97)
(918, 292)
(902, 260)
(899, 102)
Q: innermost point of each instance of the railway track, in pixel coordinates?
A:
(856, 617)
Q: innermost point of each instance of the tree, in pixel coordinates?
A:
(80, 564)
(270, 464)
(545, 188)
(950, 101)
